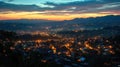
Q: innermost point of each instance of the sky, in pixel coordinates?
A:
(57, 10)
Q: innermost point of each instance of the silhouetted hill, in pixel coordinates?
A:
(77, 23)
(109, 18)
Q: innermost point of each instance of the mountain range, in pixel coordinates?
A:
(77, 23)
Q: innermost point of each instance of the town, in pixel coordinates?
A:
(58, 50)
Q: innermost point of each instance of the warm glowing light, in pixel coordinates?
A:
(112, 52)
(80, 49)
(38, 41)
(98, 47)
(110, 46)
(67, 45)
(19, 41)
(90, 48)
(68, 53)
(12, 48)
(59, 53)
(44, 61)
(87, 45)
(28, 49)
(78, 60)
(53, 48)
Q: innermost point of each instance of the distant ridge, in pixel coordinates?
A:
(77, 23)
(108, 18)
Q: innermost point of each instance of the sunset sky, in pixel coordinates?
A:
(57, 9)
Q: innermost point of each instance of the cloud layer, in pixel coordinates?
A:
(67, 8)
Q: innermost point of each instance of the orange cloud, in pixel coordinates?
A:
(42, 15)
